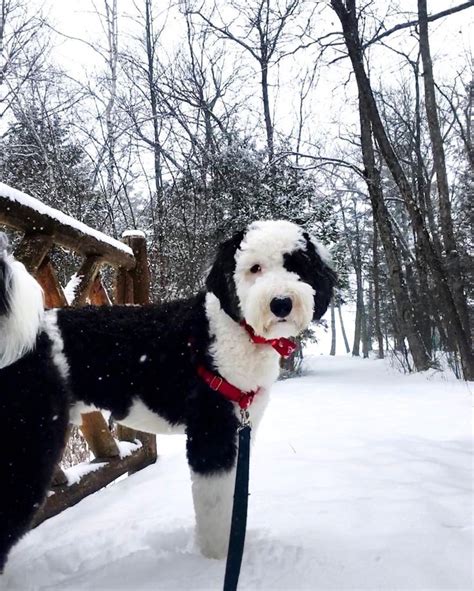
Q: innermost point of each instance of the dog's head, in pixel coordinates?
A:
(273, 275)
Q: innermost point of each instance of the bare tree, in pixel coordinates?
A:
(370, 116)
(268, 31)
(23, 47)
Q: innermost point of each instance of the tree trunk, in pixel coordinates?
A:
(150, 52)
(266, 110)
(333, 329)
(364, 335)
(343, 330)
(110, 139)
(3, 19)
(358, 322)
(376, 281)
(370, 314)
(445, 218)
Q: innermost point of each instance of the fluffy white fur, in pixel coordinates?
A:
(140, 417)
(323, 252)
(265, 244)
(213, 498)
(18, 329)
(50, 325)
(237, 359)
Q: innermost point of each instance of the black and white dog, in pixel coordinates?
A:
(159, 368)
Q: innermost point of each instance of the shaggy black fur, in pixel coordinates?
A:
(4, 285)
(311, 268)
(33, 420)
(221, 277)
(122, 353)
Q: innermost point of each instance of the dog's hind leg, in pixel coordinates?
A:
(33, 420)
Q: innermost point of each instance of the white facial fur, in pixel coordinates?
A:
(264, 244)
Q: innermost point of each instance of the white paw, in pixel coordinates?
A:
(212, 550)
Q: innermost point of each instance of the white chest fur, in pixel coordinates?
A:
(242, 363)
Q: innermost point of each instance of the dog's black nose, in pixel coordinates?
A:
(281, 307)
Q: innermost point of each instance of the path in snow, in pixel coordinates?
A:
(361, 479)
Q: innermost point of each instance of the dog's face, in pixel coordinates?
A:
(273, 276)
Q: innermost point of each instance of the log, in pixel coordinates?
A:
(98, 294)
(141, 272)
(59, 477)
(53, 292)
(32, 249)
(133, 286)
(66, 496)
(98, 436)
(25, 213)
(87, 274)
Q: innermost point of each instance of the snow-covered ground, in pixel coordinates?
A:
(361, 479)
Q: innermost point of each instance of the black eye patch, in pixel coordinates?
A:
(311, 269)
(299, 262)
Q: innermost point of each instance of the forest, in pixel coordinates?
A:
(189, 119)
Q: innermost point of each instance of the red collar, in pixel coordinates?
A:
(284, 347)
(218, 384)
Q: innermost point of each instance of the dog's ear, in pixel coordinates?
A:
(323, 277)
(221, 276)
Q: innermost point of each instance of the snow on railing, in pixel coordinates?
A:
(25, 213)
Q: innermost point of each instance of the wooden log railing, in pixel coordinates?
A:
(44, 227)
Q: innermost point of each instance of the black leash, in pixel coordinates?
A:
(239, 511)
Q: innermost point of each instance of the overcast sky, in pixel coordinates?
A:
(331, 109)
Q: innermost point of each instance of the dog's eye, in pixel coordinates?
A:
(255, 269)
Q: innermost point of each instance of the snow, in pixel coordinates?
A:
(28, 201)
(71, 287)
(361, 479)
(74, 474)
(133, 234)
(126, 448)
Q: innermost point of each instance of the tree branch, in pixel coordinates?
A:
(412, 23)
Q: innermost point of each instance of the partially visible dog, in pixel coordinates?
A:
(156, 368)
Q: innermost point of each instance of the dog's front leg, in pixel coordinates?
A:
(213, 499)
(212, 452)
